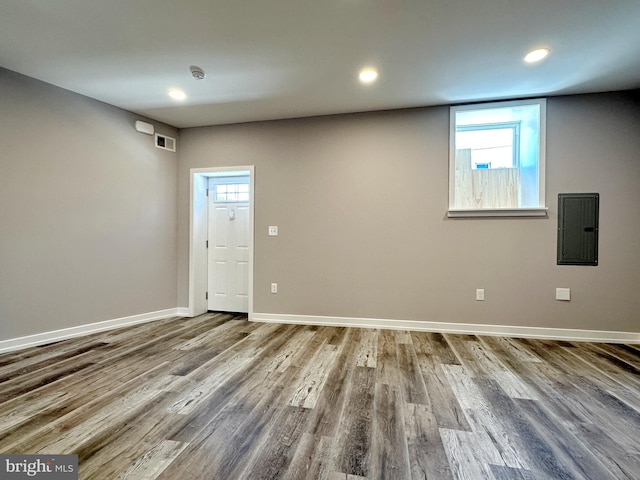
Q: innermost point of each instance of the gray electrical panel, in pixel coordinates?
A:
(578, 228)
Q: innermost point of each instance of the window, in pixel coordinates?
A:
(496, 164)
(490, 145)
(232, 192)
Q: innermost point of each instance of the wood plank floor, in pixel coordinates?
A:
(218, 397)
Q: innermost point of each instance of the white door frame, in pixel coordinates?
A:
(198, 222)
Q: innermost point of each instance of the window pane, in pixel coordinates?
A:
(490, 147)
(484, 138)
(232, 192)
(497, 156)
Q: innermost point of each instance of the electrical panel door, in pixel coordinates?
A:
(578, 228)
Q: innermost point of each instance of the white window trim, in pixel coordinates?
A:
(500, 212)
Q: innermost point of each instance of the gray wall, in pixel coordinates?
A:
(94, 219)
(87, 212)
(361, 204)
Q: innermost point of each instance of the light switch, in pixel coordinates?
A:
(273, 230)
(563, 294)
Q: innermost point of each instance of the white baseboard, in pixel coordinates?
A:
(65, 333)
(567, 334)
(414, 325)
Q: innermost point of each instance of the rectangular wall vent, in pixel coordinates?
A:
(165, 142)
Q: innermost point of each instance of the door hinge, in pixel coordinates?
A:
(206, 295)
(207, 192)
(207, 244)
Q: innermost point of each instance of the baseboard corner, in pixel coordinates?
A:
(43, 338)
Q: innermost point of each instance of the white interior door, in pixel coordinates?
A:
(228, 255)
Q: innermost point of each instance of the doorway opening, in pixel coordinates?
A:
(204, 281)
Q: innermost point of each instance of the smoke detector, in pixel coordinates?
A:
(197, 72)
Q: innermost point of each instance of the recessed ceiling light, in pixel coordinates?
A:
(536, 55)
(176, 94)
(368, 75)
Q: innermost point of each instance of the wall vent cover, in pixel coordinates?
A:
(165, 142)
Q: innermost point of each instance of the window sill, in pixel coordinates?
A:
(498, 212)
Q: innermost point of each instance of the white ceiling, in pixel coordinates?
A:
(268, 59)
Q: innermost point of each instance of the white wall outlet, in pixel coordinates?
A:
(563, 294)
(273, 230)
(480, 294)
(274, 288)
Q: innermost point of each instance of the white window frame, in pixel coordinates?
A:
(541, 210)
(515, 131)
